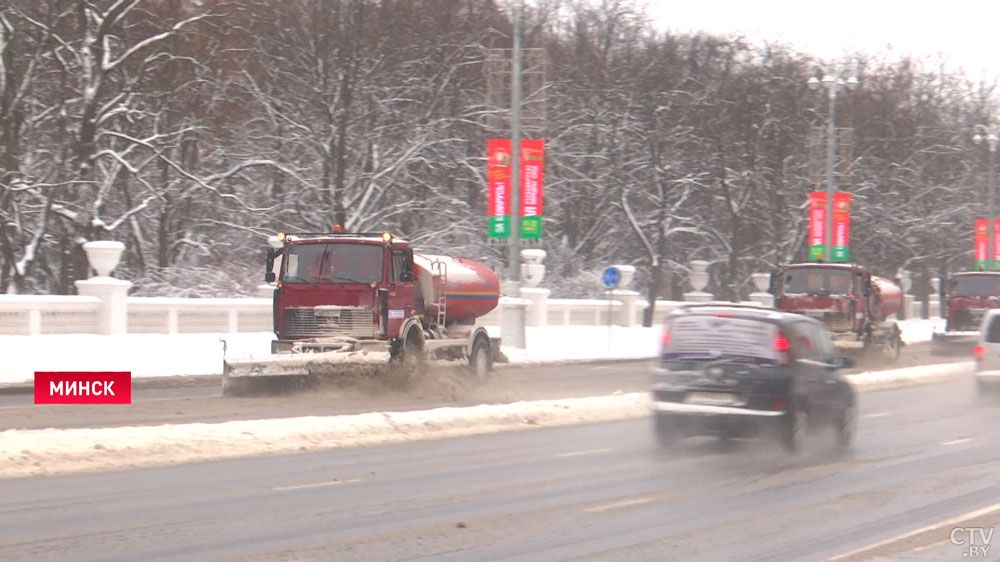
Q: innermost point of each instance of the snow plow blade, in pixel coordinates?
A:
(953, 343)
(298, 371)
(304, 364)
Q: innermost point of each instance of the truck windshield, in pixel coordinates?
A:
(339, 262)
(975, 286)
(818, 281)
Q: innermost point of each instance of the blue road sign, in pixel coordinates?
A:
(611, 277)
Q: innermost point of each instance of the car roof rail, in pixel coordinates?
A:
(727, 304)
(756, 309)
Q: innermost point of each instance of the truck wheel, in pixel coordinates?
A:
(406, 360)
(893, 347)
(481, 359)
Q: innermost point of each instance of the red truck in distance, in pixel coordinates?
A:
(967, 297)
(368, 298)
(854, 305)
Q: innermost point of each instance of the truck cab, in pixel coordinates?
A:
(968, 297)
(832, 293)
(852, 303)
(356, 287)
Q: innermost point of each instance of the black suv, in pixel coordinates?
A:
(737, 371)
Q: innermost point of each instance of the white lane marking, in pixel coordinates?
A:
(878, 415)
(581, 453)
(316, 484)
(957, 441)
(616, 505)
(953, 521)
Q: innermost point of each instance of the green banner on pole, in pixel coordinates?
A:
(531, 227)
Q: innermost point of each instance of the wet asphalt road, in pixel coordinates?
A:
(924, 457)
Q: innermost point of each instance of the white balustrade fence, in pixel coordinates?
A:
(43, 314)
(32, 315)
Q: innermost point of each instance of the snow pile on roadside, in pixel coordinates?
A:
(884, 380)
(546, 344)
(145, 355)
(55, 451)
(157, 355)
(916, 330)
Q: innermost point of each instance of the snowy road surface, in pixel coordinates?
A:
(53, 451)
(925, 455)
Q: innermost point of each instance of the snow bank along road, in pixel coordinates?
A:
(50, 451)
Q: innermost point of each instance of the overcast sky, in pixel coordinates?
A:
(964, 32)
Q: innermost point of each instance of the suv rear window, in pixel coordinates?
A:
(703, 336)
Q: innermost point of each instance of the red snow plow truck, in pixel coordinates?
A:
(967, 297)
(854, 305)
(346, 301)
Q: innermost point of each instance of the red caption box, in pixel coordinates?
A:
(71, 387)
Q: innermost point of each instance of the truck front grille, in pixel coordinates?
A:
(344, 321)
(965, 320)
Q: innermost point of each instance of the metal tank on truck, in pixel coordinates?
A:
(967, 297)
(853, 304)
(344, 300)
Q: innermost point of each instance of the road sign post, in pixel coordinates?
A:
(611, 279)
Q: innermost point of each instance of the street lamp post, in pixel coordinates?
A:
(991, 141)
(835, 82)
(515, 165)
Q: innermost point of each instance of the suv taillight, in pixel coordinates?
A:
(781, 346)
(978, 351)
(664, 339)
(780, 343)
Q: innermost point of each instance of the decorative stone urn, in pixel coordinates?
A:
(104, 256)
(532, 269)
(762, 282)
(699, 275)
(699, 280)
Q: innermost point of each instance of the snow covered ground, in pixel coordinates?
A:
(152, 355)
(57, 451)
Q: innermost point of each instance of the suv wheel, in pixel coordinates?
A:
(796, 426)
(847, 426)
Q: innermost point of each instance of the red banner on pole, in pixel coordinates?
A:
(982, 239)
(841, 226)
(996, 243)
(498, 177)
(532, 168)
(817, 225)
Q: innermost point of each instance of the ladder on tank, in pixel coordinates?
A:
(439, 270)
